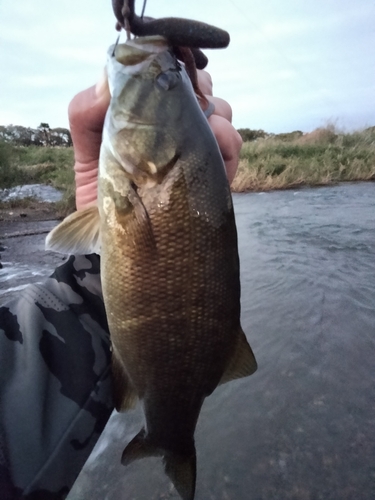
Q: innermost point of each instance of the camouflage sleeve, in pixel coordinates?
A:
(55, 381)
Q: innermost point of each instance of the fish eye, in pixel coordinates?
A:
(167, 80)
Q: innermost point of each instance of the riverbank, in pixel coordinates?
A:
(52, 166)
(323, 157)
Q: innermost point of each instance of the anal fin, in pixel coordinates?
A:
(242, 363)
(138, 448)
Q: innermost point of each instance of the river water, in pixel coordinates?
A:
(303, 426)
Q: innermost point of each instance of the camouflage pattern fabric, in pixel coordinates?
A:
(55, 381)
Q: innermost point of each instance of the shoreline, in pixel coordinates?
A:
(324, 157)
(299, 185)
(31, 210)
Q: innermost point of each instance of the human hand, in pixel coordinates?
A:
(86, 118)
(229, 142)
(228, 139)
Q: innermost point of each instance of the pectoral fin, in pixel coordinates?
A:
(242, 363)
(77, 234)
(139, 224)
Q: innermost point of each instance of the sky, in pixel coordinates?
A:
(291, 65)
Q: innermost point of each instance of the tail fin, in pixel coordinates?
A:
(182, 471)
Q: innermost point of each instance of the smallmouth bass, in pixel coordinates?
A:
(165, 229)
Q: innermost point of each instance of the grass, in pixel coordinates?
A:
(18, 203)
(39, 165)
(322, 157)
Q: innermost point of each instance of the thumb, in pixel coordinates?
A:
(102, 88)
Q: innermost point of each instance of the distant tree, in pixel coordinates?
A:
(43, 135)
(60, 137)
(289, 136)
(46, 133)
(251, 135)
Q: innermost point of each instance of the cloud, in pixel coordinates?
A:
(289, 64)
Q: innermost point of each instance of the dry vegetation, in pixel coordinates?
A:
(268, 161)
(321, 157)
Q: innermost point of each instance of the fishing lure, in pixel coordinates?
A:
(178, 31)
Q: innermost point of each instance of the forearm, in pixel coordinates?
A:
(55, 381)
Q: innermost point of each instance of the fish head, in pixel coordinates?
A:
(148, 97)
